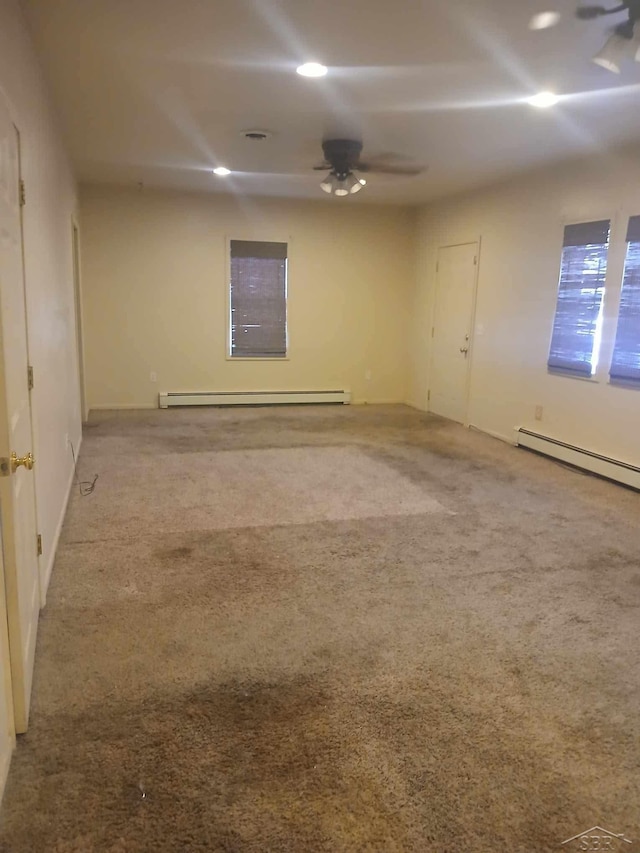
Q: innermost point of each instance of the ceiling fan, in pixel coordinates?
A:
(622, 44)
(342, 158)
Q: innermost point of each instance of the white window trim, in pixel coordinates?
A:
(616, 219)
(259, 238)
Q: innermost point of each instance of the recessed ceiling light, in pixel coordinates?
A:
(312, 69)
(544, 20)
(222, 171)
(543, 99)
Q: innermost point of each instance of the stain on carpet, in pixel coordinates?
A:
(304, 765)
(390, 682)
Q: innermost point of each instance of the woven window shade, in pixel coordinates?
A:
(258, 299)
(625, 364)
(587, 233)
(580, 293)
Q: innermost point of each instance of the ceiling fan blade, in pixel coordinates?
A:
(342, 156)
(390, 169)
(388, 157)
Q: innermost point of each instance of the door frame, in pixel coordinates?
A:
(477, 241)
(5, 672)
(34, 436)
(78, 314)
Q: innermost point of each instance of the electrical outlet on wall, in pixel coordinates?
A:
(153, 376)
(367, 375)
(538, 413)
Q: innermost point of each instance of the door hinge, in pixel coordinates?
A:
(475, 260)
(22, 193)
(428, 396)
(39, 544)
(30, 377)
(433, 331)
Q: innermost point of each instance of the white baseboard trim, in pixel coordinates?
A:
(167, 399)
(580, 457)
(56, 536)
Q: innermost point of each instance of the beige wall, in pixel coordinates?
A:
(155, 295)
(51, 201)
(520, 224)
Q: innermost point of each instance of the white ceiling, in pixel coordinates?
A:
(158, 91)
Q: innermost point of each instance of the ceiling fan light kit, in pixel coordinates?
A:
(616, 49)
(623, 44)
(342, 158)
(341, 184)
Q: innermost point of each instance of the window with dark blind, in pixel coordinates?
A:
(258, 290)
(625, 365)
(576, 328)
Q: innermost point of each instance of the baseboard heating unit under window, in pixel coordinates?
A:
(249, 398)
(603, 466)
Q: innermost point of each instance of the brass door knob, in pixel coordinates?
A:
(16, 461)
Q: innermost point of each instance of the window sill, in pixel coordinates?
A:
(256, 358)
(566, 374)
(621, 383)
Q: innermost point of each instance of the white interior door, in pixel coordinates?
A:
(17, 486)
(452, 331)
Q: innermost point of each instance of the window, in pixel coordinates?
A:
(258, 301)
(625, 365)
(577, 326)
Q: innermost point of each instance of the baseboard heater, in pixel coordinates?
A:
(249, 398)
(603, 466)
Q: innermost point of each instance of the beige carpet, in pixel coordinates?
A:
(331, 629)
